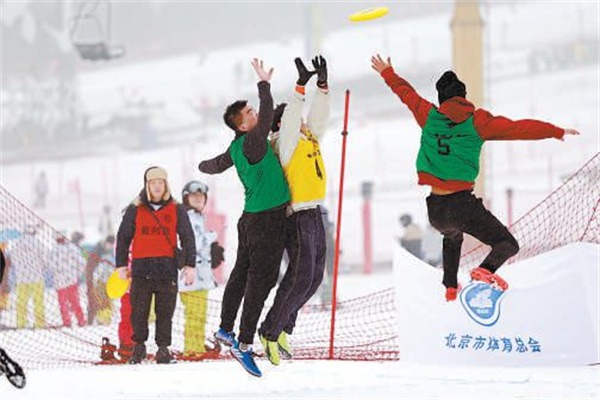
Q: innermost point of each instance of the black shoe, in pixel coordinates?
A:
(139, 353)
(164, 356)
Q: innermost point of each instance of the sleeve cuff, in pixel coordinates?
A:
(388, 72)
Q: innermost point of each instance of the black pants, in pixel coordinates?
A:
(260, 249)
(462, 212)
(140, 295)
(305, 244)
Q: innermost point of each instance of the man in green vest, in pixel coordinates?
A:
(448, 161)
(261, 226)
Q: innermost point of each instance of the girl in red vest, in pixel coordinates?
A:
(151, 225)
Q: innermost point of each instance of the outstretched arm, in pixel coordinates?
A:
(492, 127)
(291, 120)
(319, 110)
(417, 105)
(217, 164)
(255, 144)
(289, 132)
(318, 114)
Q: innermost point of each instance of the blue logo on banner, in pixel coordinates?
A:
(481, 301)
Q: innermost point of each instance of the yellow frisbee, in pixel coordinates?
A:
(368, 14)
(115, 286)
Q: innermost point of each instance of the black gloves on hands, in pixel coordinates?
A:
(320, 66)
(304, 75)
(217, 254)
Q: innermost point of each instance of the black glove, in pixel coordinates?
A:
(321, 68)
(304, 75)
(217, 254)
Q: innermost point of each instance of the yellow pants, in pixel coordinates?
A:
(195, 306)
(36, 292)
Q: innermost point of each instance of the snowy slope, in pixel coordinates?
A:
(308, 380)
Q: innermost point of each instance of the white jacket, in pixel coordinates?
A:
(290, 134)
(67, 264)
(29, 258)
(204, 276)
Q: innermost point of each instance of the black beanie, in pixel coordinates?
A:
(277, 114)
(449, 86)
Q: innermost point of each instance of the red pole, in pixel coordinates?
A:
(338, 226)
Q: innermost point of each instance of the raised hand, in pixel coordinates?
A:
(379, 64)
(262, 74)
(320, 66)
(304, 75)
(569, 131)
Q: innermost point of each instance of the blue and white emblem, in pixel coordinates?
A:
(481, 301)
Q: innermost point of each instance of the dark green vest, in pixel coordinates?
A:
(265, 186)
(449, 151)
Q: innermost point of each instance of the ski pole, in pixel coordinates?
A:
(338, 226)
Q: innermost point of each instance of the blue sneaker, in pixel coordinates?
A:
(245, 357)
(226, 338)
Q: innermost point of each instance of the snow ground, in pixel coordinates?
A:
(302, 379)
(308, 380)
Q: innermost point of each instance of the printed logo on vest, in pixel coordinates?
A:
(482, 301)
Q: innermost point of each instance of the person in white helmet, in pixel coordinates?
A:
(209, 255)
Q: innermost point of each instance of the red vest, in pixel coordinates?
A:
(149, 239)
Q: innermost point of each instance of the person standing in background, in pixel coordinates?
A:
(29, 259)
(151, 225)
(96, 293)
(326, 288)
(105, 226)
(67, 263)
(209, 255)
(40, 189)
(77, 238)
(412, 238)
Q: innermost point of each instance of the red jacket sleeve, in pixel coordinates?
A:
(417, 105)
(490, 127)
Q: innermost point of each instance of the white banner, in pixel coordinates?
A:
(549, 315)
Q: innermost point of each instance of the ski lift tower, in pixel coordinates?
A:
(467, 59)
(91, 32)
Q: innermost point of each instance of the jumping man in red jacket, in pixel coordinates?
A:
(448, 161)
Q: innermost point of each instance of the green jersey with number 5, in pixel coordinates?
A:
(449, 151)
